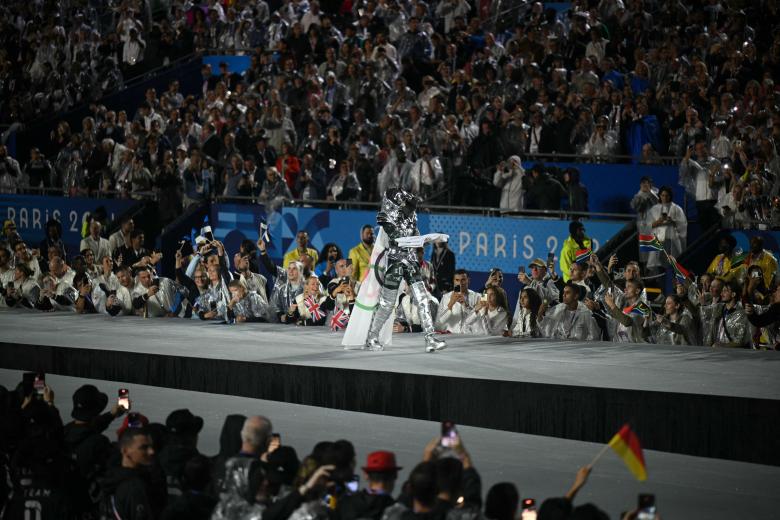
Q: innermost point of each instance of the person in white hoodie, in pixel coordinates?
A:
(509, 177)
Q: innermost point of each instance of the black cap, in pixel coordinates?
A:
(183, 422)
(88, 403)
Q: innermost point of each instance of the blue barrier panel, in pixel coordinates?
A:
(611, 186)
(232, 223)
(30, 213)
(479, 243)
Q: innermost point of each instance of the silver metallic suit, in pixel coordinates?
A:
(398, 219)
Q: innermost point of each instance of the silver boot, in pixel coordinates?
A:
(382, 313)
(432, 343)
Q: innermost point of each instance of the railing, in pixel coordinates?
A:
(100, 194)
(666, 160)
(426, 207)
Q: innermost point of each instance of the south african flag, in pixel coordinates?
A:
(582, 255)
(680, 272)
(649, 243)
(640, 308)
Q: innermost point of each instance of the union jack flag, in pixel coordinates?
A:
(339, 320)
(314, 308)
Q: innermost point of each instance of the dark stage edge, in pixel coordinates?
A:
(693, 400)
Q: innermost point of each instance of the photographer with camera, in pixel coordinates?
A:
(509, 177)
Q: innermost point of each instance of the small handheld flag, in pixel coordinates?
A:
(638, 309)
(626, 445)
(314, 308)
(582, 255)
(738, 259)
(339, 320)
(264, 232)
(679, 271)
(649, 243)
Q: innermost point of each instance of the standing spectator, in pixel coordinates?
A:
(181, 445)
(576, 241)
(509, 177)
(94, 242)
(543, 191)
(302, 248)
(360, 255)
(695, 177)
(130, 489)
(643, 201)
(669, 225)
(577, 192)
(381, 473)
(275, 190)
(443, 265)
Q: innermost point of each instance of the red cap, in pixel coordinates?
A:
(138, 421)
(380, 462)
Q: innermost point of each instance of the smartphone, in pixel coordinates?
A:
(156, 282)
(456, 288)
(755, 274)
(646, 507)
(521, 269)
(354, 485)
(550, 259)
(39, 383)
(27, 383)
(483, 297)
(528, 509)
(449, 434)
(123, 398)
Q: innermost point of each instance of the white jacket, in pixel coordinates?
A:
(511, 184)
(454, 320)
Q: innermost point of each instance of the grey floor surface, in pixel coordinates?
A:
(695, 370)
(685, 487)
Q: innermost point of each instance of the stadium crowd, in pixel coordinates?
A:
(344, 99)
(149, 470)
(734, 304)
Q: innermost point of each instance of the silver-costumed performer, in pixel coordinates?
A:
(370, 325)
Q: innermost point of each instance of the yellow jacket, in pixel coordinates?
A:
(568, 253)
(361, 258)
(721, 268)
(295, 255)
(767, 263)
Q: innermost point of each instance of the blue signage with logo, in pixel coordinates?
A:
(30, 214)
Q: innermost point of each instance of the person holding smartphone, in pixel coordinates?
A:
(457, 305)
(669, 225)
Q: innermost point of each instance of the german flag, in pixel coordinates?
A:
(626, 445)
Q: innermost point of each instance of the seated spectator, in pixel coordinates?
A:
(253, 282)
(491, 314)
(525, 323)
(675, 326)
(245, 306)
(729, 205)
(309, 308)
(632, 325)
(23, 291)
(119, 299)
(570, 319)
(325, 266)
(457, 305)
(23, 255)
(725, 323)
(765, 320)
(84, 303)
(155, 297)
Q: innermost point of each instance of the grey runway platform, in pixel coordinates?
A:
(688, 400)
